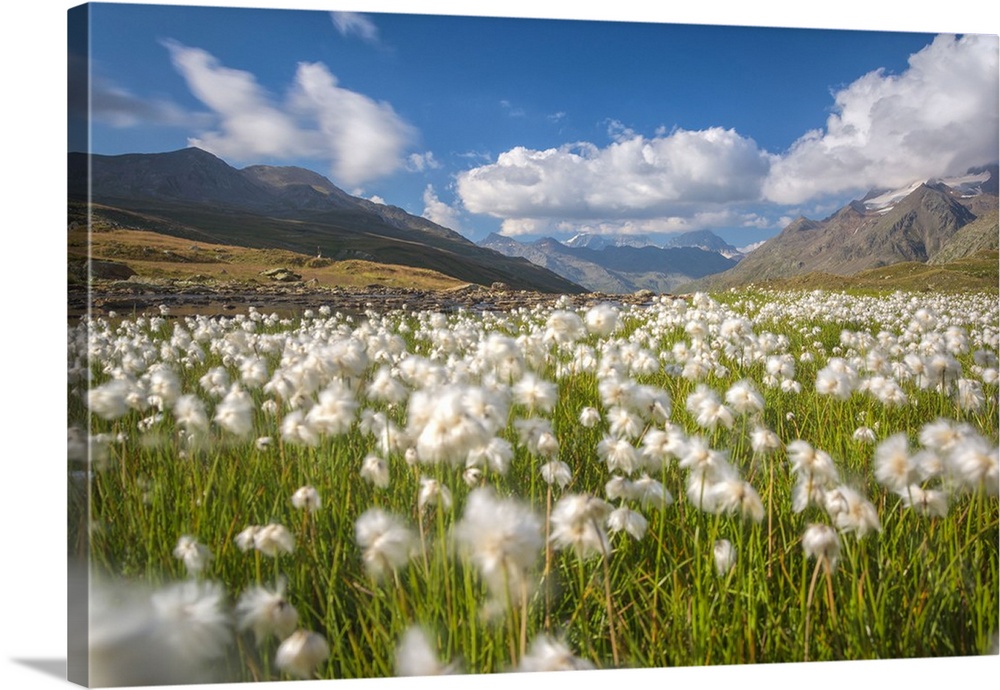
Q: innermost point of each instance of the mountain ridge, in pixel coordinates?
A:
(192, 192)
(915, 224)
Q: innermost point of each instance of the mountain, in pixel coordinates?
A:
(615, 269)
(588, 240)
(914, 224)
(707, 240)
(195, 195)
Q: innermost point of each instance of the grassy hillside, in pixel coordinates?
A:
(976, 272)
(153, 255)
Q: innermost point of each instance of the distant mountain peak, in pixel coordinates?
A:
(591, 240)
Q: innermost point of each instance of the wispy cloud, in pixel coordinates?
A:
(419, 162)
(114, 105)
(361, 139)
(511, 110)
(355, 24)
(439, 212)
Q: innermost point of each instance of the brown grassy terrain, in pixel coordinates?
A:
(976, 272)
(152, 255)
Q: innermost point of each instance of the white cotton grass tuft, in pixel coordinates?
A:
(246, 539)
(821, 542)
(851, 512)
(109, 400)
(271, 539)
(743, 398)
(386, 542)
(895, 468)
(550, 654)
(577, 522)
(556, 472)
(195, 619)
(734, 496)
(433, 493)
(601, 320)
(306, 498)
(624, 519)
(375, 470)
(173, 635)
(266, 612)
(503, 539)
(235, 412)
(194, 555)
(301, 653)
(417, 656)
(589, 417)
(724, 554)
(930, 502)
(763, 441)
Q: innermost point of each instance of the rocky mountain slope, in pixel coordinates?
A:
(917, 224)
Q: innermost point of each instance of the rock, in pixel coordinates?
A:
(110, 270)
(281, 275)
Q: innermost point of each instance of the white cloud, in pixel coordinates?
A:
(725, 218)
(939, 117)
(364, 138)
(349, 23)
(361, 139)
(439, 212)
(418, 162)
(633, 177)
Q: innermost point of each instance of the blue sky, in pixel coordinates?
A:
(550, 127)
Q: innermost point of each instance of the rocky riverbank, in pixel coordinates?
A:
(217, 298)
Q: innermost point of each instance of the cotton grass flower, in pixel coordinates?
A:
(266, 613)
(556, 472)
(273, 539)
(386, 542)
(189, 412)
(589, 417)
(577, 522)
(894, 465)
(821, 542)
(301, 652)
(851, 512)
(743, 398)
(193, 621)
(627, 520)
(306, 498)
(109, 400)
(550, 654)
(432, 493)
(416, 655)
(724, 554)
(235, 412)
(930, 502)
(503, 538)
(375, 470)
(733, 496)
(601, 320)
(246, 539)
(196, 556)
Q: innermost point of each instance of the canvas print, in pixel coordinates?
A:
(411, 344)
